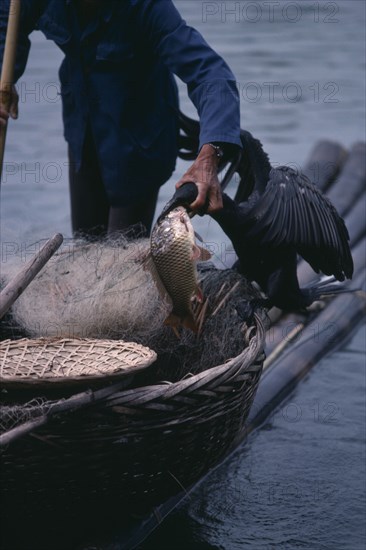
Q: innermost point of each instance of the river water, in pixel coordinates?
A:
(299, 481)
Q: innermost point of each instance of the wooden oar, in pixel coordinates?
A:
(17, 285)
(7, 72)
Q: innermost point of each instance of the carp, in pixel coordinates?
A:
(173, 257)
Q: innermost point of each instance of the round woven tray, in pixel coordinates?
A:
(69, 361)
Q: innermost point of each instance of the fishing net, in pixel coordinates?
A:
(90, 290)
(101, 290)
(12, 415)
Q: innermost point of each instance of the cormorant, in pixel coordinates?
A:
(281, 213)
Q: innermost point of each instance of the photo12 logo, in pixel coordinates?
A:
(290, 92)
(270, 11)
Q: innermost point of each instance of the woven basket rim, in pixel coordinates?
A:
(233, 367)
(145, 355)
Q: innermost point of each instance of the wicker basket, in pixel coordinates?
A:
(134, 449)
(45, 362)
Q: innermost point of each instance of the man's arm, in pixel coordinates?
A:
(211, 87)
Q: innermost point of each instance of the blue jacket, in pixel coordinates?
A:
(118, 74)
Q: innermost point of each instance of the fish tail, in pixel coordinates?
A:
(188, 321)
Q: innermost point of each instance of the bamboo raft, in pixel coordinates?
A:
(126, 457)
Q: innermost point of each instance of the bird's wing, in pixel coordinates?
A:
(293, 212)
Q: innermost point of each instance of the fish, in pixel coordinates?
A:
(172, 262)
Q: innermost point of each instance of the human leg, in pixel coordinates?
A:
(121, 218)
(89, 204)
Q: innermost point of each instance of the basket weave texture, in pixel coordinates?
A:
(137, 447)
(69, 360)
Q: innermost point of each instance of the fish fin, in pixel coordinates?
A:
(195, 252)
(198, 294)
(190, 323)
(175, 321)
(149, 265)
(205, 254)
(200, 254)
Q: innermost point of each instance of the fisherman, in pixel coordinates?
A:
(120, 104)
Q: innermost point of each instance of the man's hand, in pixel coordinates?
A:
(203, 173)
(13, 106)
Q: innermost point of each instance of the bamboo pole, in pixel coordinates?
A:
(7, 72)
(73, 403)
(20, 282)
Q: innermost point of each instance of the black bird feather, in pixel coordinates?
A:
(279, 213)
(285, 215)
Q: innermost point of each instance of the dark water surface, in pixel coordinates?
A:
(299, 482)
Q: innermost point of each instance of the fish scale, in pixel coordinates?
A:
(173, 252)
